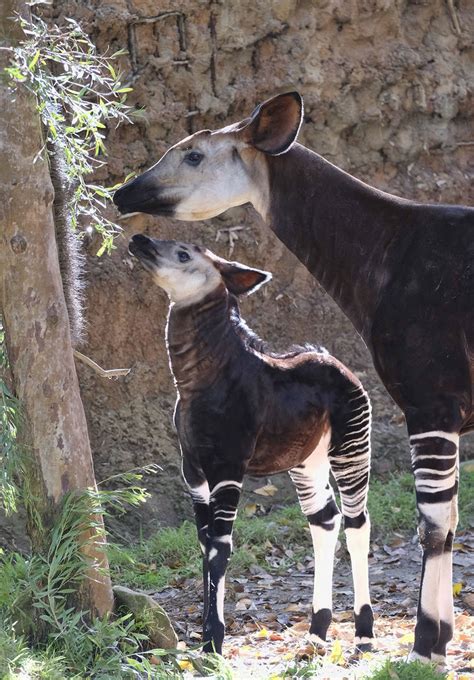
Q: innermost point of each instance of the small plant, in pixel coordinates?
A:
(79, 92)
(399, 670)
(9, 424)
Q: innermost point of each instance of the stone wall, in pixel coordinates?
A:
(388, 94)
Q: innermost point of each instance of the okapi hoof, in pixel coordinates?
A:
(364, 647)
(414, 656)
(439, 661)
(319, 645)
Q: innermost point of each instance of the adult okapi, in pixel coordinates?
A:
(403, 272)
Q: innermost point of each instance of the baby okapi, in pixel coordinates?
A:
(242, 408)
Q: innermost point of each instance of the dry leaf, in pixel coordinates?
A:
(250, 509)
(407, 639)
(337, 655)
(267, 490)
(457, 587)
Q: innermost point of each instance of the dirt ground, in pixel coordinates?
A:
(267, 616)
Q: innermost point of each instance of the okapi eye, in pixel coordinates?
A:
(183, 256)
(193, 157)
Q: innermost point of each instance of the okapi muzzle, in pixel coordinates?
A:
(143, 194)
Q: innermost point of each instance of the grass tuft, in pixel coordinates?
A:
(400, 670)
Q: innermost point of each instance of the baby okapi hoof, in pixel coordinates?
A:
(363, 647)
(319, 645)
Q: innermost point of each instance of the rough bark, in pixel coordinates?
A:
(55, 437)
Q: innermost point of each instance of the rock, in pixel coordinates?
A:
(148, 614)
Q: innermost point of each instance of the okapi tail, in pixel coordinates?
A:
(71, 258)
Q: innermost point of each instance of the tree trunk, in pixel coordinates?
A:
(55, 437)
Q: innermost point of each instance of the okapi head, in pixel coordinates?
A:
(209, 172)
(189, 273)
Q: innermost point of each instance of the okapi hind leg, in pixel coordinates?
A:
(435, 465)
(350, 465)
(446, 611)
(318, 504)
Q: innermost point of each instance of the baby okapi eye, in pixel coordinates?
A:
(183, 256)
(194, 158)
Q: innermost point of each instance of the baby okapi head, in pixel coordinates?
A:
(189, 273)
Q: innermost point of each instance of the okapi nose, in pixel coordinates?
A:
(141, 239)
(141, 244)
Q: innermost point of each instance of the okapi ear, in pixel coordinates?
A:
(239, 279)
(274, 125)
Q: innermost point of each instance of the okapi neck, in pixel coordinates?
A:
(341, 229)
(199, 340)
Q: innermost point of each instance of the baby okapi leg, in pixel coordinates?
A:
(317, 502)
(224, 500)
(199, 491)
(350, 465)
(435, 465)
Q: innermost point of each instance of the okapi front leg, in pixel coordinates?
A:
(199, 491)
(224, 500)
(435, 463)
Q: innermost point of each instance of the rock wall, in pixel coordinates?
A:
(388, 94)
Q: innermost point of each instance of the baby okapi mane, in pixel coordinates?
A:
(254, 342)
(71, 258)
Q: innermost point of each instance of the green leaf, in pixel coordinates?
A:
(34, 61)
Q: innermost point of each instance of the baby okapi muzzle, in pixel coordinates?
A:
(242, 408)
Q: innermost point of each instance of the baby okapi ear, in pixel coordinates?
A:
(239, 279)
(274, 125)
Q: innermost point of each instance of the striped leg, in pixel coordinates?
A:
(435, 465)
(350, 465)
(224, 498)
(446, 610)
(317, 502)
(199, 491)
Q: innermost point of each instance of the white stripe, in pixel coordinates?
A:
(199, 493)
(418, 457)
(226, 482)
(223, 539)
(220, 599)
(450, 436)
(432, 471)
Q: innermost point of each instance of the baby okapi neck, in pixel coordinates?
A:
(200, 340)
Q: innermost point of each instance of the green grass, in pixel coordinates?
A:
(17, 660)
(399, 670)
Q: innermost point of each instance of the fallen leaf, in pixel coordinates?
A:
(250, 509)
(407, 639)
(337, 655)
(267, 490)
(185, 665)
(457, 587)
(262, 633)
